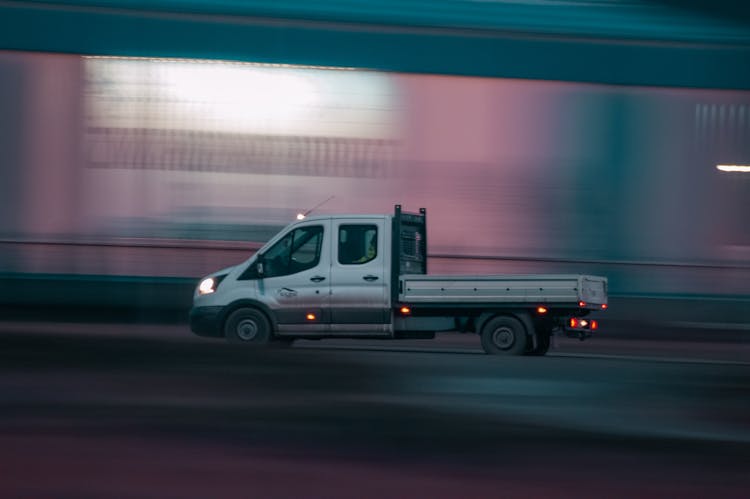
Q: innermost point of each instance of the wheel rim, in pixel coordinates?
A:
(503, 337)
(247, 329)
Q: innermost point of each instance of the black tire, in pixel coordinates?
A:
(504, 335)
(247, 326)
(543, 340)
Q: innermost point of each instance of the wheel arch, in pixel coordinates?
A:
(247, 303)
(521, 315)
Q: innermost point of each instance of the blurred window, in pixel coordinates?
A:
(357, 244)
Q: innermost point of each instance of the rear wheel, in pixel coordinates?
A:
(247, 326)
(504, 335)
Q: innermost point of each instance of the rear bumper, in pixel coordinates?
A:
(580, 327)
(206, 321)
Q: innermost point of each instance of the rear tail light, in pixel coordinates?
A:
(604, 306)
(581, 303)
(578, 323)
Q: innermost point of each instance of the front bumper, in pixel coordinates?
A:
(206, 321)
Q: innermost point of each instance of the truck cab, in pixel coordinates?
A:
(299, 274)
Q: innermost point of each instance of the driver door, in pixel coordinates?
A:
(296, 280)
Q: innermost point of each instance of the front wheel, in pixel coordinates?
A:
(504, 335)
(247, 326)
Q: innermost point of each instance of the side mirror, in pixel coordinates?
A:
(260, 266)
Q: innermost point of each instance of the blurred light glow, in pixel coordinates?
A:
(405, 310)
(206, 286)
(581, 303)
(242, 96)
(310, 317)
(733, 168)
(237, 97)
(541, 310)
(594, 325)
(300, 216)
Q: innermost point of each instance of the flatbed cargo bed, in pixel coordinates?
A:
(556, 289)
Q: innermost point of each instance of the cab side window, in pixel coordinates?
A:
(297, 251)
(358, 244)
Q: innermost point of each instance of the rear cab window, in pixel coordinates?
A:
(358, 244)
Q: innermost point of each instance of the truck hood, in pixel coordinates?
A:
(223, 271)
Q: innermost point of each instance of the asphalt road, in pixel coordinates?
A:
(154, 412)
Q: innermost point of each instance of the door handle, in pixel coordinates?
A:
(317, 278)
(370, 278)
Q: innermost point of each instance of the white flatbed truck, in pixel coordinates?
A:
(365, 276)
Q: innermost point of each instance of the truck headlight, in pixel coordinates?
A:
(207, 285)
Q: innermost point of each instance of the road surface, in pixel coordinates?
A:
(113, 410)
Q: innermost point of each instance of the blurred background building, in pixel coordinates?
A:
(166, 139)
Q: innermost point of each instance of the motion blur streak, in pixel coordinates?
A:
(123, 411)
(171, 168)
(733, 168)
(125, 179)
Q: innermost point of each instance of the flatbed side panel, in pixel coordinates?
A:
(501, 289)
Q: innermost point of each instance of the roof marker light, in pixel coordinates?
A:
(300, 216)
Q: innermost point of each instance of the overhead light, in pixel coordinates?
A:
(733, 168)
